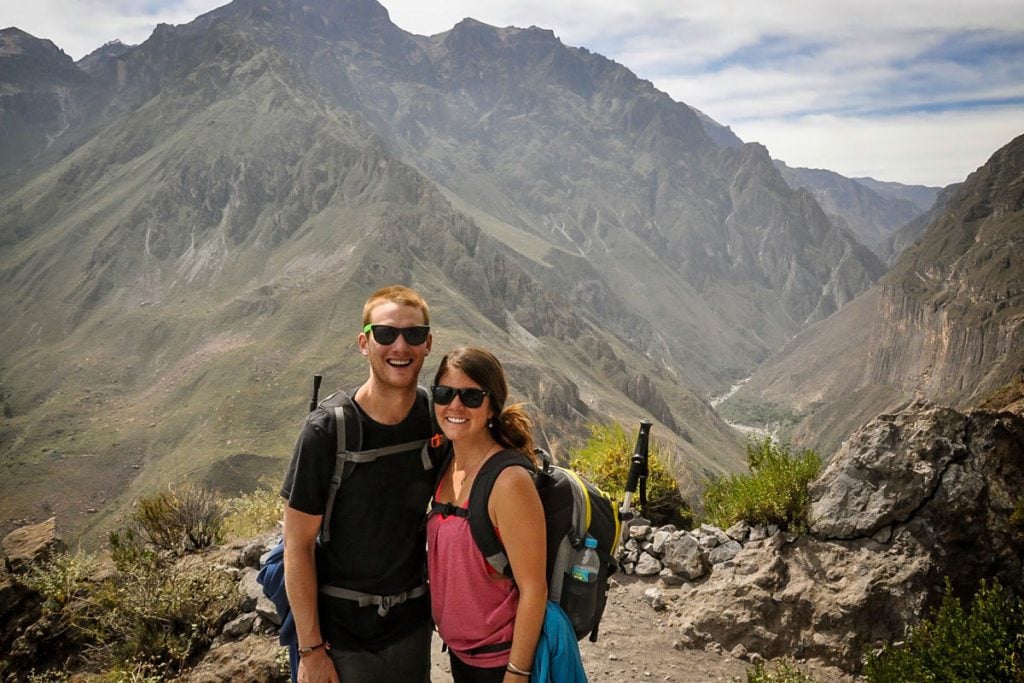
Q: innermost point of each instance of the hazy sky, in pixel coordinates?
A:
(919, 92)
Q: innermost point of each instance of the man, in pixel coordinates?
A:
(361, 610)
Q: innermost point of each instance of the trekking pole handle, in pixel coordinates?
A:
(638, 464)
(317, 379)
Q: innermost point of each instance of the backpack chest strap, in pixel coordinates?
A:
(376, 453)
(384, 602)
(447, 509)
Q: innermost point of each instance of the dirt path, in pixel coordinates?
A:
(636, 644)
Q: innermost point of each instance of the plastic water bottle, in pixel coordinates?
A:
(580, 592)
(588, 566)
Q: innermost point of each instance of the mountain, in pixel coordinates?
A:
(209, 231)
(719, 134)
(897, 242)
(38, 79)
(871, 214)
(946, 323)
(872, 210)
(922, 196)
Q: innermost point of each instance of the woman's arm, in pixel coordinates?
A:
(516, 511)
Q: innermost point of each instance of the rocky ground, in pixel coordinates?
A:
(912, 498)
(638, 643)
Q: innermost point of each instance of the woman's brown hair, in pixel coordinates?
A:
(511, 426)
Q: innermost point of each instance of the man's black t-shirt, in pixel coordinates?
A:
(378, 538)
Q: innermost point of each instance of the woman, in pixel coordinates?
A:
(490, 623)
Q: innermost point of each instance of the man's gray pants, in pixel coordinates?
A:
(404, 661)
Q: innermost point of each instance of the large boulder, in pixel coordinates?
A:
(30, 544)
(911, 500)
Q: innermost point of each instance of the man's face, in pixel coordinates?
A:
(397, 364)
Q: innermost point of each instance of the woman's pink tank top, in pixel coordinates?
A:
(472, 606)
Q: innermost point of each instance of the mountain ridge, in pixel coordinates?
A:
(944, 324)
(242, 182)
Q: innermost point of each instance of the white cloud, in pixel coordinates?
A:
(926, 149)
(796, 69)
(80, 26)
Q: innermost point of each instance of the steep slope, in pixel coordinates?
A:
(606, 188)
(922, 196)
(869, 215)
(38, 86)
(169, 286)
(946, 323)
(899, 241)
(243, 181)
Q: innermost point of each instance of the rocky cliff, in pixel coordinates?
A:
(945, 323)
(913, 499)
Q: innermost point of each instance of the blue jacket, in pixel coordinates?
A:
(271, 577)
(557, 659)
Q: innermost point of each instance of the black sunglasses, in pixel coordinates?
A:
(470, 397)
(386, 334)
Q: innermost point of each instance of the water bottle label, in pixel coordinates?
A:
(581, 574)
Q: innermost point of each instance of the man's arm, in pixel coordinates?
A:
(300, 532)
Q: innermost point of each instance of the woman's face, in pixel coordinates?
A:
(457, 420)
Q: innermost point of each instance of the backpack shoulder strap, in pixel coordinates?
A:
(348, 429)
(349, 453)
(438, 449)
(479, 521)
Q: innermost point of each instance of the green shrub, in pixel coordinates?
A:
(161, 614)
(985, 643)
(605, 460)
(142, 622)
(252, 514)
(784, 673)
(775, 491)
(61, 578)
(181, 521)
(129, 550)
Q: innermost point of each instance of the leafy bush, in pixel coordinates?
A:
(775, 491)
(161, 614)
(252, 514)
(605, 460)
(185, 521)
(61, 578)
(784, 673)
(143, 621)
(985, 643)
(130, 551)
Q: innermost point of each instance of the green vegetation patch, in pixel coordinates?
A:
(253, 514)
(982, 643)
(746, 411)
(775, 491)
(784, 672)
(149, 615)
(605, 461)
(178, 521)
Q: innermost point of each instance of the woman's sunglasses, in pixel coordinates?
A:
(386, 334)
(471, 398)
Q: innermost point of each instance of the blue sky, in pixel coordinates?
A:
(913, 92)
